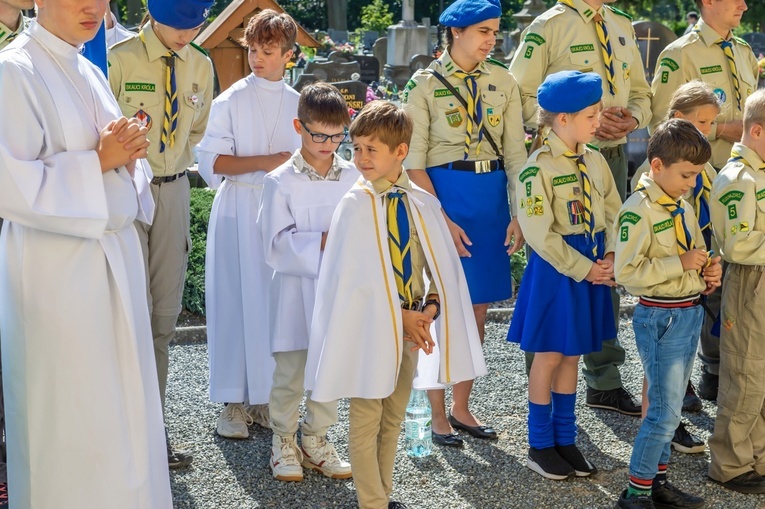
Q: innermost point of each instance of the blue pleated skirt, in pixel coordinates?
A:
(477, 202)
(554, 313)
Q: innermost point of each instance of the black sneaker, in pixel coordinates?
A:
(667, 496)
(684, 441)
(639, 502)
(575, 458)
(548, 463)
(177, 460)
(691, 402)
(749, 482)
(708, 385)
(618, 400)
(396, 505)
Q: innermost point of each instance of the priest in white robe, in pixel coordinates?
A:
(84, 421)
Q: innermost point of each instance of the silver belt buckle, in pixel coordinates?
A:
(483, 166)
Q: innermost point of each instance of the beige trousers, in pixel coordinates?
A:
(286, 395)
(738, 443)
(375, 425)
(166, 244)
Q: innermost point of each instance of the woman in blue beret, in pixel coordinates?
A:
(569, 203)
(467, 146)
(166, 82)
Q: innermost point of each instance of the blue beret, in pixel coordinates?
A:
(180, 14)
(463, 13)
(569, 91)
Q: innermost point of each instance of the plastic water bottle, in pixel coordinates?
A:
(418, 435)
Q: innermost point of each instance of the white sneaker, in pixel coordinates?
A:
(259, 415)
(233, 421)
(320, 455)
(285, 459)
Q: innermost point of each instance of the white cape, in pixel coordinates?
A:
(357, 337)
(83, 416)
(237, 277)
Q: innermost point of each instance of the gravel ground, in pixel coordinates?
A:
(486, 475)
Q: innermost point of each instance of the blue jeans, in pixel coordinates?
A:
(666, 341)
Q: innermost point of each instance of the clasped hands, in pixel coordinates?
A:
(121, 143)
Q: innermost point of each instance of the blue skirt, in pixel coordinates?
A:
(477, 202)
(554, 313)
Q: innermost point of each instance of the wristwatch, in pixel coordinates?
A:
(435, 303)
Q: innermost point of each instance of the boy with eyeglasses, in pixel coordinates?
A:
(299, 199)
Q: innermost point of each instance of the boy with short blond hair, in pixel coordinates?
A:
(386, 234)
(737, 447)
(661, 258)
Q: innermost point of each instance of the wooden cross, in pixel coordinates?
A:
(648, 40)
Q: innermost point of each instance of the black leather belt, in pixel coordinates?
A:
(475, 166)
(164, 180)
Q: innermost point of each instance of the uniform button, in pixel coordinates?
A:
(170, 167)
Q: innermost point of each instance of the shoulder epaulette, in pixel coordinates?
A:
(122, 42)
(617, 11)
(497, 62)
(593, 147)
(553, 11)
(199, 48)
(741, 41)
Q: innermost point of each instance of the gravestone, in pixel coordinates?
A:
(338, 35)
(757, 41)
(370, 68)
(303, 80)
(369, 38)
(652, 38)
(380, 50)
(420, 62)
(355, 93)
(333, 71)
(339, 56)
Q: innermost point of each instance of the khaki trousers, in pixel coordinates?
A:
(166, 244)
(375, 425)
(738, 443)
(286, 395)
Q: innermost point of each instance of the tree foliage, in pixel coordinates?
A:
(376, 16)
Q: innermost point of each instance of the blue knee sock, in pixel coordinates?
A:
(564, 418)
(540, 426)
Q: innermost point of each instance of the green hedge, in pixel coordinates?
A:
(194, 291)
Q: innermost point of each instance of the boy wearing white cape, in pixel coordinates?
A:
(386, 233)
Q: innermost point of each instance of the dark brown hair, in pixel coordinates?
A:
(322, 103)
(678, 140)
(269, 27)
(383, 121)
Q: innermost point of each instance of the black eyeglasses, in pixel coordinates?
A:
(321, 138)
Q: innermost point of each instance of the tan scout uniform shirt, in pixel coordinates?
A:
(565, 39)
(644, 168)
(137, 78)
(6, 33)
(439, 118)
(697, 56)
(647, 262)
(738, 209)
(417, 254)
(547, 193)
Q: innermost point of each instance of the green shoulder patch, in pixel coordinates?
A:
(668, 62)
(741, 41)
(565, 179)
(535, 38)
(410, 84)
(731, 196)
(199, 49)
(593, 147)
(663, 225)
(629, 217)
(497, 62)
(760, 194)
(620, 13)
(531, 171)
